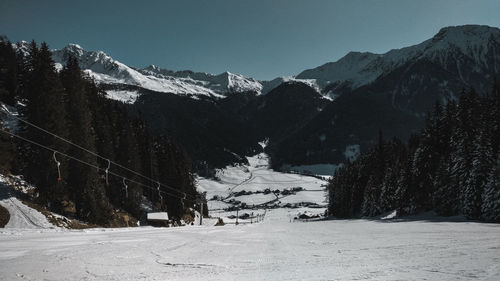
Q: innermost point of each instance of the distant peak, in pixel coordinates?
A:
(152, 67)
(469, 30)
(75, 49)
(74, 46)
(355, 53)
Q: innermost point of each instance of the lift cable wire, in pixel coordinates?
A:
(94, 166)
(93, 153)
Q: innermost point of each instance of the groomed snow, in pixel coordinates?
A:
(277, 248)
(274, 249)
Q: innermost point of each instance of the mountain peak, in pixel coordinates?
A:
(466, 35)
(152, 67)
(469, 29)
(74, 49)
(473, 42)
(74, 46)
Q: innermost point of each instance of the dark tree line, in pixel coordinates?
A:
(69, 104)
(452, 167)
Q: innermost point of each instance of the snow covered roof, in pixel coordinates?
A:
(163, 216)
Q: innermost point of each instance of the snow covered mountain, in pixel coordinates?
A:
(223, 83)
(391, 92)
(104, 69)
(452, 48)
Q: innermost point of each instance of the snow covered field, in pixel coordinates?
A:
(272, 250)
(277, 248)
(254, 179)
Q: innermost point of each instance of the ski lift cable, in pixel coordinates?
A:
(91, 165)
(86, 163)
(89, 151)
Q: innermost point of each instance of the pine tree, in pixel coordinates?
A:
(128, 155)
(445, 198)
(468, 150)
(45, 108)
(8, 72)
(490, 209)
(83, 181)
(371, 206)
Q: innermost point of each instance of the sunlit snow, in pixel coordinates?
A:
(277, 248)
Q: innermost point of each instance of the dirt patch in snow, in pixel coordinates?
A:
(4, 216)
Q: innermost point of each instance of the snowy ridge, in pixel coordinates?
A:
(447, 46)
(223, 83)
(104, 69)
(267, 86)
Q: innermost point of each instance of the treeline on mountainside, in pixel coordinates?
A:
(69, 104)
(452, 167)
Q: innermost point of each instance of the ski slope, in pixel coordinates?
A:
(277, 248)
(272, 250)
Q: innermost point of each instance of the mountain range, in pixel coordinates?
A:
(314, 117)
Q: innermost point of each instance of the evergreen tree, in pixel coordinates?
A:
(396, 152)
(83, 181)
(445, 199)
(490, 208)
(127, 154)
(467, 164)
(8, 72)
(45, 108)
(370, 206)
(451, 167)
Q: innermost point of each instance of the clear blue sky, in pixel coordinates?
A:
(261, 39)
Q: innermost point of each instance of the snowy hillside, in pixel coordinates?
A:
(448, 48)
